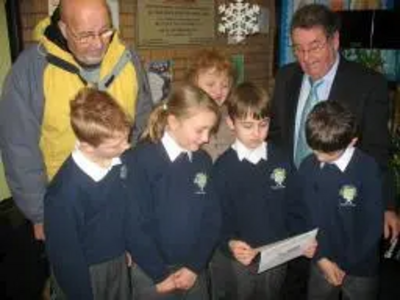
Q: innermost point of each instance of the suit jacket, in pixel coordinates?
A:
(362, 90)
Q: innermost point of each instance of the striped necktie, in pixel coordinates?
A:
(302, 148)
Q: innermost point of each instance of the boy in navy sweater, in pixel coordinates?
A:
(170, 180)
(251, 179)
(84, 205)
(341, 190)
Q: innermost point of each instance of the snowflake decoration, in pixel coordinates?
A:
(239, 20)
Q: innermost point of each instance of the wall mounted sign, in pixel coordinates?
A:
(160, 74)
(175, 22)
(238, 63)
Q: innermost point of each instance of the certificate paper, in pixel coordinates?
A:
(280, 252)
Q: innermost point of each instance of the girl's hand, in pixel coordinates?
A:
(166, 286)
(184, 278)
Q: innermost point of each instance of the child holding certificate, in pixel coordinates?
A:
(251, 179)
(341, 189)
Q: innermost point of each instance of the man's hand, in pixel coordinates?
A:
(184, 279)
(392, 225)
(242, 252)
(333, 274)
(38, 231)
(166, 286)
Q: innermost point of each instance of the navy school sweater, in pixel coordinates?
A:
(347, 207)
(179, 210)
(253, 197)
(84, 225)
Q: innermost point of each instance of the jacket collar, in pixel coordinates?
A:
(343, 161)
(90, 168)
(172, 148)
(251, 155)
(112, 56)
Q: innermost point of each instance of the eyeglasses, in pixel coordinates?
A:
(315, 49)
(88, 37)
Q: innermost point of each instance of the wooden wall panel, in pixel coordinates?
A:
(258, 50)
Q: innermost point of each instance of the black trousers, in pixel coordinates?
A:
(143, 287)
(353, 287)
(295, 285)
(23, 266)
(221, 277)
(252, 286)
(389, 280)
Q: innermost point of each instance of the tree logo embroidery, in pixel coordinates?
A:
(348, 193)
(278, 175)
(123, 173)
(201, 181)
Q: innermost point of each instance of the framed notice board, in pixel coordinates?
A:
(163, 23)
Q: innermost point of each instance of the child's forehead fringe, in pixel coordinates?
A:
(250, 114)
(215, 69)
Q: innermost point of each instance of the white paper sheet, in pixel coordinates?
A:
(277, 253)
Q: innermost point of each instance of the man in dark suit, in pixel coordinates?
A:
(315, 39)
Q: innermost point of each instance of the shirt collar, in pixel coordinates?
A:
(90, 168)
(251, 155)
(172, 147)
(328, 77)
(343, 161)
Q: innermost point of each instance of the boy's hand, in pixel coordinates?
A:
(166, 286)
(309, 252)
(184, 278)
(242, 252)
(333, 274)
(38, 231)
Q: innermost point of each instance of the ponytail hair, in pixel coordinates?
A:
(181, 103)
(156, 123)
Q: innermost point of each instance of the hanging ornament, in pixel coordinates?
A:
(238, 20)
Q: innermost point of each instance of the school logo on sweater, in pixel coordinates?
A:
(348, 193)
(278, 175)
(200, 181)
(123, 172)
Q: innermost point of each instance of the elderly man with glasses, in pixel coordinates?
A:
(79, 48)
(321, 74)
